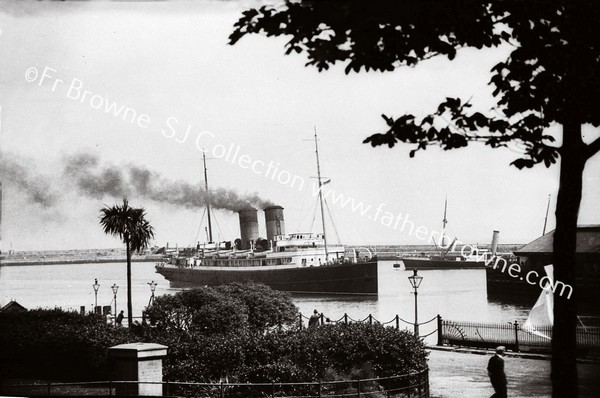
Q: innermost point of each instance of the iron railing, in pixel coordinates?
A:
(513, 335)
(369, 319)
(414, 385)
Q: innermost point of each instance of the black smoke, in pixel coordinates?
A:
(96, 180)
(21, 173)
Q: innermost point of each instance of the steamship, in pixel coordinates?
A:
(297, 262)
(445, 261)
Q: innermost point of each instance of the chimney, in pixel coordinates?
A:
(495, 239)
(274, 222)
(248, 227)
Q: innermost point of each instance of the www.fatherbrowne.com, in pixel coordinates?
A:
(514, 271)
(401, 222)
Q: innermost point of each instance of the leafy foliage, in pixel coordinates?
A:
(551, 76)
(224, 309)
(266, 307)
(65, 345)
(201, 310)
(56, 344)
(129, 224)
(325, 353)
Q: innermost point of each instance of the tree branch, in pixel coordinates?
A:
(592, 148)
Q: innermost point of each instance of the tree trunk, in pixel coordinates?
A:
(572, 163)
(129, 301)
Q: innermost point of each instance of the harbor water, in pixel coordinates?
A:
(453, 294)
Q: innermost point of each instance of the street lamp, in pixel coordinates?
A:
(115, 288)
(152, 289)
(415, 281)
(96, 286)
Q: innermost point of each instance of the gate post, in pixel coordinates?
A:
(140, 364)
(517, 335)
(440, 340)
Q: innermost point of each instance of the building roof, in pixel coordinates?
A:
(588, 241)
(13, 306)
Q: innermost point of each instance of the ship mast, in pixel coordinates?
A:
(321, 196)
(444, 222)
(210, 238)
(546, 219)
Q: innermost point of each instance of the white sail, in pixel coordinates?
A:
(542, 313)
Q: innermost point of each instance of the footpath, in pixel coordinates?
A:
(457, 372)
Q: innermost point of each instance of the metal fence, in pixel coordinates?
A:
(414, 385)
(395, 322)
(512, 335)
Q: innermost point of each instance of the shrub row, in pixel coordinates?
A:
(224, 333)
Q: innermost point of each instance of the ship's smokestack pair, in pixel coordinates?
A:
(249, 224)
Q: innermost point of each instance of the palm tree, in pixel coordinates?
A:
(131, 226)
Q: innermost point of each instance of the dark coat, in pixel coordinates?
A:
(496, 370)
(497, 377)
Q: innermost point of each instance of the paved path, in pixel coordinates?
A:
(457, 374)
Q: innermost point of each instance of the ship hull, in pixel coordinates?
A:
(354, 278)
(433, 264)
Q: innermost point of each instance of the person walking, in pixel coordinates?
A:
(496, 372)
(120, 318)
(314, 319)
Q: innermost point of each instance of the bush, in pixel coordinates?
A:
(343, 350)
(266, 308)
(202, 310)
(223, 333)
(56, 344)
(224, 309)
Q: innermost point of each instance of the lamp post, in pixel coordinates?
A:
(152, 289)
(415, 281)
(115, 288)
(96, 286)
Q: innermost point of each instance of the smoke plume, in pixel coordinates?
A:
(95, 180)
(20, 173)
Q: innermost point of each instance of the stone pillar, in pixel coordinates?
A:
(138, 362)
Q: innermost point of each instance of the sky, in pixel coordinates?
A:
(102, 100)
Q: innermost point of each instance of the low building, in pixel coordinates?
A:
(535, 255)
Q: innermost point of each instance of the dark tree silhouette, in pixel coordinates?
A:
(552, 77)
(131, 226)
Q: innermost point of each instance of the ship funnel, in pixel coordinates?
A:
(495, 239)
(248, 227)
(274, 222)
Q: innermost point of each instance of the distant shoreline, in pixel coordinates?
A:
(96, 256)
(13, 263)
